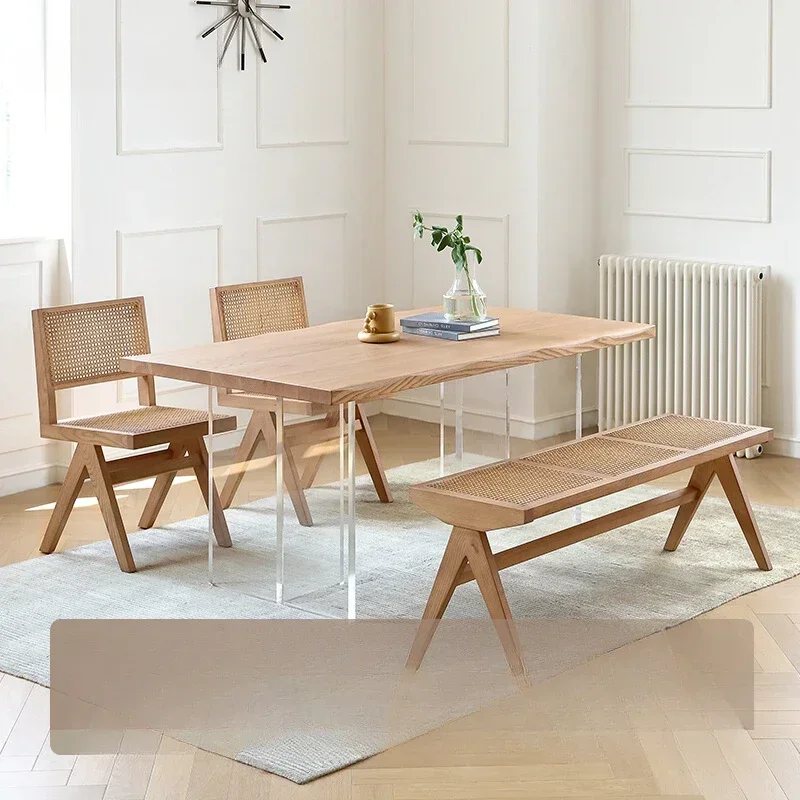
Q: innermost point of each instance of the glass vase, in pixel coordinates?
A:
(465, 301)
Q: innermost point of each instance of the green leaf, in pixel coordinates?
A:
(444, 243)
(460, 222)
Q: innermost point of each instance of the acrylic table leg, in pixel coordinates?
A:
(460, 423)
(508, 416)
(279, 500)
(342, 568)
(211, 491)
(351, 510)
(578, 415)
(578, 398)
(441, 429)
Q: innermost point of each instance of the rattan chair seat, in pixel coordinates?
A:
(150, 424)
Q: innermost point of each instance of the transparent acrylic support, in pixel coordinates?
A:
(211, 491)
(460, 424)
(351, 510)
(441, 430)
(279, 551)
(578, 413)
(342, 489)
(508, 415)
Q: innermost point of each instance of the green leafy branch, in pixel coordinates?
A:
(459, 244)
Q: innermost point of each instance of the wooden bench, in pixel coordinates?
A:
(512, 493)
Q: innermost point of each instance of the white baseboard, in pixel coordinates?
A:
(783, 445)
(22, 480)
(491, 422)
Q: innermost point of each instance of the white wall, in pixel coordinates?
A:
(491, 113)
(701, 110)
(186, 177)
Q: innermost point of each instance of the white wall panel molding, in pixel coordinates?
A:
(699, 54)
(732, 186)
(420, 298)
(155, 102)
(174, 268)
(21, 289)
(473, 26)
(302, 94)
(290, 245)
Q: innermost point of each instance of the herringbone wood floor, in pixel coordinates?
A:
(484, 756)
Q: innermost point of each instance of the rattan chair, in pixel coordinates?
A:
(80, 345)
(253, 309)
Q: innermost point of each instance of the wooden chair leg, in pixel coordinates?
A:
(701, 479)
(369, 451)
(221, 533)
(731, 481)
(243, 455)
(100, 477)
(484, 568)
(291, 480)
(453, 562)
(158, 494)
(70, 489)
(313, 463)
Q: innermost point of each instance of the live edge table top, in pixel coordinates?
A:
(327, 364)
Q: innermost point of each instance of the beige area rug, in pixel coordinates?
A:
(622, 579)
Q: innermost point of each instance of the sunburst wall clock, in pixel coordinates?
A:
(245, 18)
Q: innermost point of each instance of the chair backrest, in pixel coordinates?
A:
(252, 309)
(82, 344)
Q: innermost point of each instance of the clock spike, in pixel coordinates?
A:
(228, 39)
(270, 5)
(266, 24)
(218, 24)
(256, 40)
(214, 3)
(242, 40)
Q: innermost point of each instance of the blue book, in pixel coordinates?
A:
(453, 336)
(436, 321)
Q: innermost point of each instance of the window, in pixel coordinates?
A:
(24, 155)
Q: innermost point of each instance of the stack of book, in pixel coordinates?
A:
(436, 326)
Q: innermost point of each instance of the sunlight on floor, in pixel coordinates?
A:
(81, 502)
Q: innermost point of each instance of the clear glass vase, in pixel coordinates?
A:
(465, 301)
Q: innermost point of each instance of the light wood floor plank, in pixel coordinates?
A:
(130, 776)
(210, 777)
(247, 783)
(783, 759)
(92, 770)
(55, 793)
(711, 772)
(30, 730)
(36, 778)
(170, 777)
(17, 763)
(671, 774)
(748, 766)
(14, 693)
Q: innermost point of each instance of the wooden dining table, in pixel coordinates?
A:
(327, 364)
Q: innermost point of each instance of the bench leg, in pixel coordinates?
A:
(731, 481)
(469, 547)
(453, 562)
(484, 568)
(700, 480)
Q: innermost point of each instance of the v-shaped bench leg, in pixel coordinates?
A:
(731, 481)
(700, 480)
(469, 547)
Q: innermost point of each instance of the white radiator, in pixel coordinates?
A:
(707, 357)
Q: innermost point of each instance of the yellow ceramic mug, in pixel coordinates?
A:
(379, 326)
